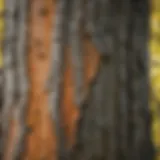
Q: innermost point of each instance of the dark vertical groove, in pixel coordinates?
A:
(123, 35)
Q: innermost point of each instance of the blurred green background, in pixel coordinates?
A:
(155, 72)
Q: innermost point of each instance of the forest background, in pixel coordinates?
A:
(154, 67)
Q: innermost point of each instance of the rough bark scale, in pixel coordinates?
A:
(113, 121)
(124, 131)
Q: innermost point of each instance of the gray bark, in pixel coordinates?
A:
(115, 123)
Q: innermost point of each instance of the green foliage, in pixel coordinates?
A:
(155, 71)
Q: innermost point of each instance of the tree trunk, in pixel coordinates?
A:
(83, 93)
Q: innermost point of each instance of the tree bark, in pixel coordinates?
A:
(88, 89)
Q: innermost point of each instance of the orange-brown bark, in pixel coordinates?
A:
(41, 139)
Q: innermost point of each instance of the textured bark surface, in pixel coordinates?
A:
(114, 121)
(41, 140)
